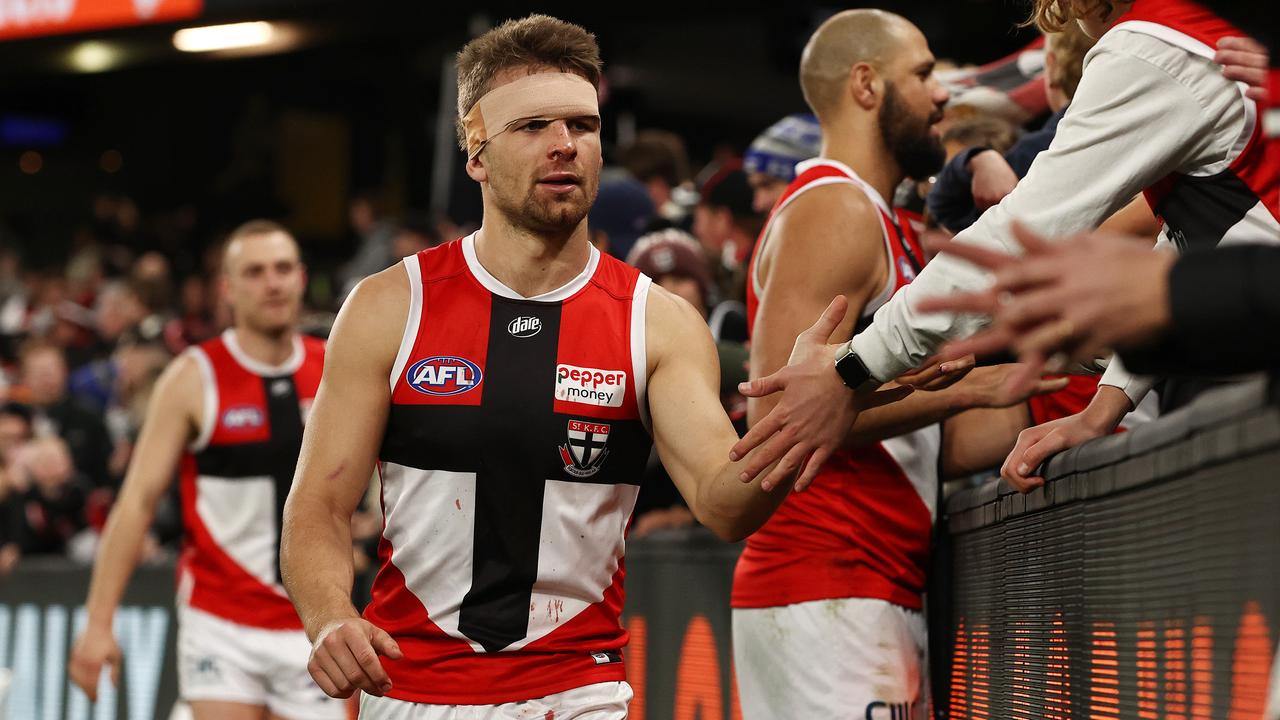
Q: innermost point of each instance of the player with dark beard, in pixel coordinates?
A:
(827, 599)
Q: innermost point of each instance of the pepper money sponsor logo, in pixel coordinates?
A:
(590, 386)
(444, 375)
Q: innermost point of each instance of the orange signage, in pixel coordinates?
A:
(1172, 663)
(32, 18)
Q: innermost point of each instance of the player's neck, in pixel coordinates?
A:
(266, 348)
(530, 263)
(865, 154)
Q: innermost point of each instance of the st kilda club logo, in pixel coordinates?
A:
(444, 375)
(586, 449)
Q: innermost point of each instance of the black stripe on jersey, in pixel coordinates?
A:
(276, 457)
(1200, 210)
(519, 392)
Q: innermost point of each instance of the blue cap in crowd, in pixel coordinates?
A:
(793, 139)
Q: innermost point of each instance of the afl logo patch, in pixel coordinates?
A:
(905, 270)
(524, 326)
(444, 375)
(243, 417)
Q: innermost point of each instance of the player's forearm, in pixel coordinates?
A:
(733, 509)
(118, 552)
(316, 564)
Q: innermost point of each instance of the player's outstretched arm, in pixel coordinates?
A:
(339, 449)
(690, 429)
(170, 424)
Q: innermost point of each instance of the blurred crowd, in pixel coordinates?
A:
(83, 342)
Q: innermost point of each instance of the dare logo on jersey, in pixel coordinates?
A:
(444, 375)
(587, 448)
(524, 326)
(243, 417)
(590, 386)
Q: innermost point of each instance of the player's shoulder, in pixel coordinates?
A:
(835, 225)
(377, 292)
(665, 307)
(672, 325)
(182, 383)
(829, 205)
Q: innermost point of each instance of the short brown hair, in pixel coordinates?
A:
(1052, 16)
(253, 228)
(656, 154)
(537, 41)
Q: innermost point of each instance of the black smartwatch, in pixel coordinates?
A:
(851, 369)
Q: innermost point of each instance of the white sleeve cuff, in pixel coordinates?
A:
(883, 364)
(1135, 387)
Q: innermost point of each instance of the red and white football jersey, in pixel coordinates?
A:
(863, 528)
(510, 465)
(236, 477)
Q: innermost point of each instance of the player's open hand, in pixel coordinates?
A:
(815, 413)
(344, 658)
(95, 647)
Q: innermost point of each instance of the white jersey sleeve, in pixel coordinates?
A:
(1144, 108)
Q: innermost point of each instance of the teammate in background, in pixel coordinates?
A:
(842, 566)
(506, 386)
(228, 415)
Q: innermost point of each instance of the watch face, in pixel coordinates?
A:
(852, 370)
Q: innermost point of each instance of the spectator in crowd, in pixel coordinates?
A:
(622, 212)
(658, 159)
(138, 361)
(374, 235)
(44, 375)
(415, 233)
(673, 259)
(770, 161)
(15, 433)
(195, 310)
(393, 241)
(726, 224)
(981, 174)
(116, 310)
(50, 495)
(978, 131)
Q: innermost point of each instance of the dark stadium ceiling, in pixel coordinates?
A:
(671, 55)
